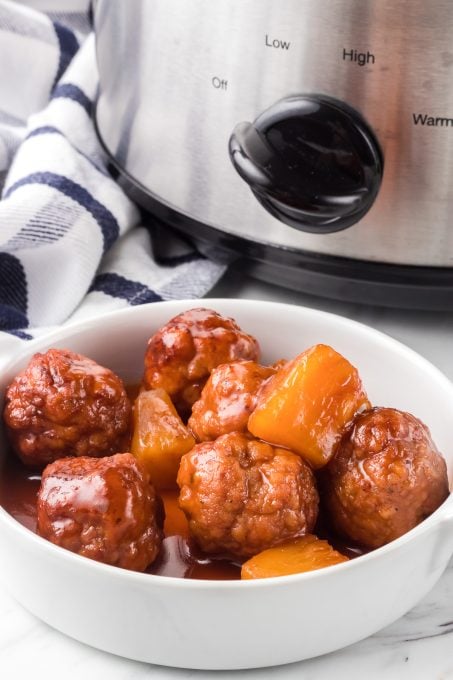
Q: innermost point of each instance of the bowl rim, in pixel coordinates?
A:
(433, 522)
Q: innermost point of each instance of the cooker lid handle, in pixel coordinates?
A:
(312, 161)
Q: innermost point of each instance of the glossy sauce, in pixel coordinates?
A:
(18, 491)
(178, 556)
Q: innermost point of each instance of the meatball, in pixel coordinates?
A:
(64, 404)
(181, 355)
(102, 508)
(227, 399)
(386, 477)
(242, 495)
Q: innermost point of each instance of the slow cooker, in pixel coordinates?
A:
(309, 141)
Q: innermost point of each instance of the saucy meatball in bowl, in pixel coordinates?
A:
(361, 489)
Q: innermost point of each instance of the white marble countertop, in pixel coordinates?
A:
(417, 647)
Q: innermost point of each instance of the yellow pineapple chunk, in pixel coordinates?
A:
(159, 437)
(307, 404)
(293, 557)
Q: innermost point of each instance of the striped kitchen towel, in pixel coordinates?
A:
(71, 242)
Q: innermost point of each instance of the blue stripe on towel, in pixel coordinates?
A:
(38, 232)
(133, 292)
(18, 334)
(107, 222)
(70, 91)
(68, 44)
(13, 293)
(51, 130)
(44, 130)
(11, 318)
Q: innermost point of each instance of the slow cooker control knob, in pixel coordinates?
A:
(312, 161)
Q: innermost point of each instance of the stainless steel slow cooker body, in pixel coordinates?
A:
(177, 77)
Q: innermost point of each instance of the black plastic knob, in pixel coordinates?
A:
(312, 161)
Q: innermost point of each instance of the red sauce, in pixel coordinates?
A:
(18, 490)
(179, 556)
(132, 391)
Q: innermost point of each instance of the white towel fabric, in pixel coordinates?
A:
(71, 244)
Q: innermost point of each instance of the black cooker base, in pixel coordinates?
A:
(345, 279)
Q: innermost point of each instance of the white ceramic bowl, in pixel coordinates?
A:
(234, 624)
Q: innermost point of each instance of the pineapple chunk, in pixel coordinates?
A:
(159, 437)
(307, 404)
(302, 554)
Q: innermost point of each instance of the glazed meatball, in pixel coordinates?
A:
(227, 399)
(181, 355)
(64, 404)
(242, 496)
(102, 508)
(386, 477)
